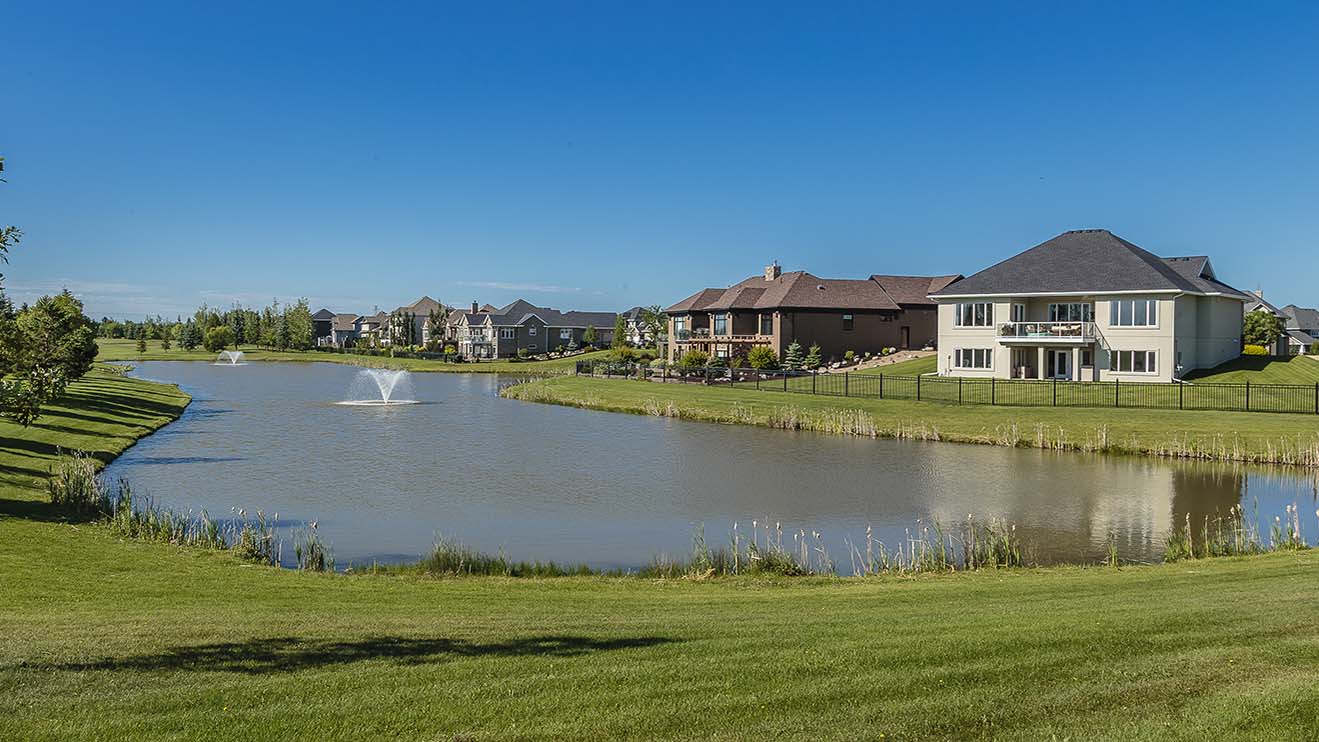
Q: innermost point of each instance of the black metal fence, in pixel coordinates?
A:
(1246, 397)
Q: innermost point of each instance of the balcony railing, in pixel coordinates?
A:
(704, 336)
(1047, 331)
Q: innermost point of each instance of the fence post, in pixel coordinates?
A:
(1117, 393)
(918, 387)
(959, 390)
(1247, 396)
(844, 383)
(1181, 396)
(1055, 391)
(757, 379)
(813, 374)
(993, 395)
(785, 380)
(1316, 398)
(881, 386)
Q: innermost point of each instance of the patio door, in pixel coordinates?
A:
(1060, 364)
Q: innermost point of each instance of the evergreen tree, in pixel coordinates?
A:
(792, 356)
(813, 358)
(620, 333)
(588, 337)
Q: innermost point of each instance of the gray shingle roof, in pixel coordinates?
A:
(908, 290)
(1301, 318)
(1303, 338)
(1090, 261)
(793, 290)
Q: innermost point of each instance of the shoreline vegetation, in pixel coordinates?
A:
(418, 657)
(121, 351)
(1251, 438)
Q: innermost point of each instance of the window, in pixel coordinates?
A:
(1018, 312)
(976, 314)
(721, 353)
(565, 334)
(679, 325)
(721, 324)
(1071, 312)
(507, 333)
(531, 330)
(982, 358)
(1135, 361)
(1134, 313)
(766, 324)
(1088, 358)
(847, 322)
(531, 346)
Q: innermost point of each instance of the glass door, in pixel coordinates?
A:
(1060, 364)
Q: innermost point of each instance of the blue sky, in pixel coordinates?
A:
(602, 155)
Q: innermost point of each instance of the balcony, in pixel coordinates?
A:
(1046, 332)
(702, 335)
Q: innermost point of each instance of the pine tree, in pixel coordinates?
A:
(813, 359)
(792, 356)
(620, 333)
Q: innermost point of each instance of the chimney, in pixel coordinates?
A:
(1259, 293)
(773, 271)
(475, 308)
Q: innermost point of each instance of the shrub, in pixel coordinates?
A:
(849, 356)
(74, 484)
(1254, 350)
(523, 354)
(1314, 349)
(718, 362)
(694, 358)
(623, 354)
(792, 356)
(659, 363)
(762, 357)
(141, 345)
(813, 357)
(450, 349)
(164, 343)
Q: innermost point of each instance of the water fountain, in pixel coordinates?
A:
(230, 358)
(377, 387)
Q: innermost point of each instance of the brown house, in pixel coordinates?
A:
(839, 315)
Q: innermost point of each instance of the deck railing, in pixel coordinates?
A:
(1047, 330)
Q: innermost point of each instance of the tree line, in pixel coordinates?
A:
(276, 326)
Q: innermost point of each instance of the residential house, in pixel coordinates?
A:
(409, 325)
(1255, 303)
(1302, 333)
(322, 325)
(504, 332)
(345, 329)
(1089, 306)
(776, 308)
(638, 334)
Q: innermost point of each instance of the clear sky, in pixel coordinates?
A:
(602, 155)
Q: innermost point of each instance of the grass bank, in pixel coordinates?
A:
(1223, 436)
(1260, 370)
(126, 350)
(113, 639)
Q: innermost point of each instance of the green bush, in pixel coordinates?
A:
(1314, 349)
(849, 356)
(1255, 350)
(623, 354)
(762, 357)
(694, 358)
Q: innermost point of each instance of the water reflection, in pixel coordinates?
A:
(615, 490)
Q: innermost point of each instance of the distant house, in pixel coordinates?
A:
(1255, 303)
(503, 332)
(345, 329)
(322, 325)
(637, 333)
(1089, 306)
(1302, 333)
(409, 324)
(776, 308)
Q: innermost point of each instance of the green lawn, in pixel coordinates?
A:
(1261, 370)
(126, 350)
(104, 639)
(1277, 438)
(914, 367)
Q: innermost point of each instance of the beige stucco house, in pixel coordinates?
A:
(1088, 306)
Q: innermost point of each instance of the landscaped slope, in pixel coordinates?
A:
(114, 640)
(1261, 370)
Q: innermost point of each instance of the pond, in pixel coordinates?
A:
(612, 490)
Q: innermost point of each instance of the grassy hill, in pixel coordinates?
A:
(1261, 370)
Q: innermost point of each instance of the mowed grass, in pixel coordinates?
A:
(1261, 370)
(1190, 433)
(913, 367)
(105, 639)
(126, 350)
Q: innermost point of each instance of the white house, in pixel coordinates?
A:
(1088, 306)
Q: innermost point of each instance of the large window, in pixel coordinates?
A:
(1134, 313)
(766, 324)
(1071, 312)
(565, 334)
(506, 333)
(721, 324)
(982, 358)
(847, 322)
(1135, 361)
(975, 314)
